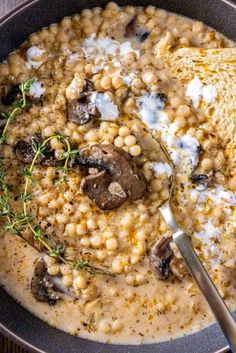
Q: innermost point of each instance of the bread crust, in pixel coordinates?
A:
(215, 67)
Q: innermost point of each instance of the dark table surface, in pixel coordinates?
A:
(6, 346)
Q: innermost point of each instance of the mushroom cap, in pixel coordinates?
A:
(82, 110)
(163, 260)
(10, 94)
(160, 258)
(42, 285)
(98, 188)
(24, 150)
(120, 177)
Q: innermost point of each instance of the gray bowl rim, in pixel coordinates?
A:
(32, 348)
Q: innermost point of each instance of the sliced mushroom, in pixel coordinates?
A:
(42, 286)
(24, 150)
(199, 179)
(160, 258)
(82, 110)
(204, 180)
(98, 188)
(12, 93)
(134, 30)
(163, 261)
(118, 180)
(178, 268)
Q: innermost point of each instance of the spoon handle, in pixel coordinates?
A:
(213, 297)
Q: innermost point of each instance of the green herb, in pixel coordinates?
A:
(4, 205)
(39, 234)
(26, 196)
(17, 223)
(26, 172)
(84, 265)
(17, 107)
(57, 251)
(39, 149)
(70, 154)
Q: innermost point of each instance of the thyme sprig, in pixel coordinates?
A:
(84, 265)
(39, 235)
(17, 106)
(17, 223)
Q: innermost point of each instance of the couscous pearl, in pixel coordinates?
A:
(117, 266)
(96, 241)
(130, 279)
(65, 270)
(111, 244)
(232, 183)
(80, 229)
(67, 280)
(108, 234)
(70, 229)
(124, 131)
(130, 140)
(141, 234)
(135, 150)
(91, 224)
(85, 241)
(126, 221)
(53, 270)
(92, 135)
(140, 278)
(106, 82)
(49, 260)
(134, 259)
(119, 141)
(207, 164)
(117, 82)
(80, 282)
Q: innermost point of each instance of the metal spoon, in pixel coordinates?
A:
(222, 314)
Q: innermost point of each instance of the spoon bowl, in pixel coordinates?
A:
(151, 145)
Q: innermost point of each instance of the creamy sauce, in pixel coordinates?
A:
(106, 107)
(161, 168)
(36, 89)
(196, 91)
(148, 303)
(33, 54)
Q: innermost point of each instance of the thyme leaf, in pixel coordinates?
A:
(57, 251)
(39, 234)
(26, 172)
(16, 107)
(84, 265)
(26, 196)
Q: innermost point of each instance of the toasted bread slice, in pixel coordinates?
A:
(215, 67)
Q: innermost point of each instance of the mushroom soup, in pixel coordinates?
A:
(84, 245)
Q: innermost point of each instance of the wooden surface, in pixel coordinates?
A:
(6, 346)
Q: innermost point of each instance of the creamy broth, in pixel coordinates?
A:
(110, 60)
